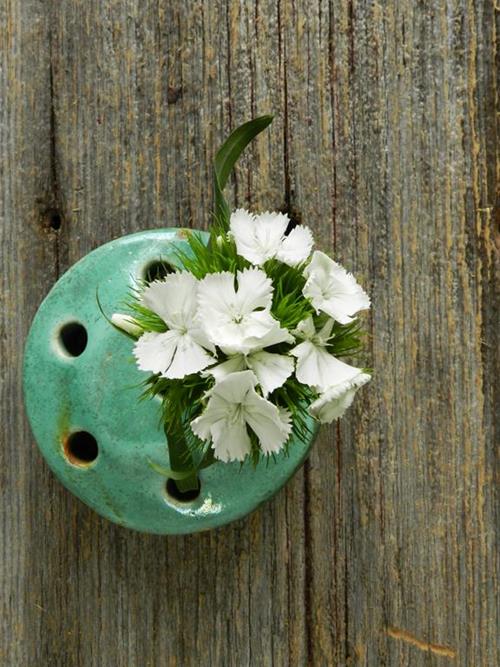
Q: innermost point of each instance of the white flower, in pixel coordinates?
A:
(182, 349)
(126, 323)
(316, 367)
(332, 290)
(270, 369)
(262, 237)
(336, 399)
(232, 406)
(239, 320)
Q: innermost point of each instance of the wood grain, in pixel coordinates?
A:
(383, 549)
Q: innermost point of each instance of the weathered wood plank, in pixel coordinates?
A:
(122, 165)
(417, 462)
(28, 248)
(382, 550)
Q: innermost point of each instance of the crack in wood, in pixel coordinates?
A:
(55, 218)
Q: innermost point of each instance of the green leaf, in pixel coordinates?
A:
(234, 145)
(110, 321)
(226, 158)
(168, 472)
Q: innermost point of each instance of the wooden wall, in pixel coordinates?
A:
(381, 550)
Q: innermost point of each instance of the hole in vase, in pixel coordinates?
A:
(157, 270)
(73, 338)
(81, 448)
(181, 496)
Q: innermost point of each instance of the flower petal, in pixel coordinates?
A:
(259, 330)
(231, 365)
(306, 329)
(173, 298)
(233, 403)
(199, 336)
(235, 387)
(270, 369)
(274, 335)
(216, 296)
(234, 320)
(189, 358)
(334, 401)
(267, 423)
(223, 419)
(286, 419)
(332, 289)
(255, 290)
(172, 354)
(154, 351)
(255, 331)
(296, 247)
(325, 333)
(215, 411)
(270, 228)
(319, 369)
(258, 238)
(230, 441)
(242, 226)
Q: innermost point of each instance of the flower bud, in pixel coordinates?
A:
(126, 323)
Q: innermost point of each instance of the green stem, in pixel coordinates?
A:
(190, 483)
(181, 460)
(185, 462)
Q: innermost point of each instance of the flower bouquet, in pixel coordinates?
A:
(244, 340)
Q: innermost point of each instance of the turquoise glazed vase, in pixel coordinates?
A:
(82, 389)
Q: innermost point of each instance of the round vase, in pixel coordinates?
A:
(82, 389)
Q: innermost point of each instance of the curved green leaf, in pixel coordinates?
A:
(168, 472)
(226, 158)
(235, 144)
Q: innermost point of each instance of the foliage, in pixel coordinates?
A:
(225, 160)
